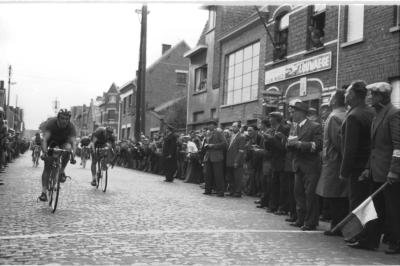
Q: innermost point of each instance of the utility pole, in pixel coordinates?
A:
(9, 88)
(140, 114)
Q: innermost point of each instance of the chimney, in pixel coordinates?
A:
(165, 48)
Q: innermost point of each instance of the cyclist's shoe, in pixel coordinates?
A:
(43, 197)
(73, 161)
(62, 177)
(93, 183)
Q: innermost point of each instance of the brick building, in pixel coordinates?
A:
(166, 79)
(109, 108)
(240, 72)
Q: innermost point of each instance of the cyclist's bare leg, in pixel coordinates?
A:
(65, 157)
(45, 176)
(93, 167)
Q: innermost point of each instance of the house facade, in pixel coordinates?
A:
(109, 108)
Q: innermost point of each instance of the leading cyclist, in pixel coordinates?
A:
(58, 132)
(102, 137)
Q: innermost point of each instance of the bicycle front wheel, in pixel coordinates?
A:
(102, 176)
(54, 188)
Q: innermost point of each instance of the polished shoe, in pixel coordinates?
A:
(361, 245)
(93, 183)
(207, 193)
(330, 233)
(290, 220)
(257, 202)
(351, 240)
(168, 181)
(237, 195)
(308, 228)
(43, 197)
(296, 224)
(62, 177)
(260, 206)
(271, 210)
(280, 213)
(221, 195)
(393, 249)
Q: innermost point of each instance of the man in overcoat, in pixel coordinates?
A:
(306, 165)
(330, 187)
(169, 152)
(356, 142)
(214, 161)
(383, 166)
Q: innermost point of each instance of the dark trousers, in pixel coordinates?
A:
(265, 198)
(358, 190)
(292, 200)
(234, 177)
(169, 168)
(214, 176)
(307, 204)
(339, 209)
(279, 193)
(387, 206)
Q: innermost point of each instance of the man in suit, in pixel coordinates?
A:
(356, 142)
(275, 142)
(214, 161)
(234, 161)
(330, 187)
(306, 163)
(169, 152)
(383, 166)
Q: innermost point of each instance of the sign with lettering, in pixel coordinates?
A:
(310, 65)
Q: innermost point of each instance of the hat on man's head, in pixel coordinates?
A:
(380, 87)
(213, 122)
(277, 115)
(299, 105)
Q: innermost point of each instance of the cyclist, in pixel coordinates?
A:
(84, 146)
(36, 142)
(58, 132)
(102, 137)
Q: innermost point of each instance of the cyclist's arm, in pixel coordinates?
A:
(46, 137)
(72, 140)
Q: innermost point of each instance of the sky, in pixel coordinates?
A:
(74, 52)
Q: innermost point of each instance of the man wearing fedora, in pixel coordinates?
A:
(306, 165)
(383, 166)
(214, 161)
(356, 142)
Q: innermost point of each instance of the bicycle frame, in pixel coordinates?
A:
(101, 168)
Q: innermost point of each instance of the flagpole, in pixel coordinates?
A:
(346, 219)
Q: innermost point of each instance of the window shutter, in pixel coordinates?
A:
(355, 22)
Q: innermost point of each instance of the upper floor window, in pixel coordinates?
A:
(355, 22)
(213, 113)
(200, 78)
(241, 78)
(198, 116)
(181, 78)
(316, 28)
(130, 100)
(111, 115)
(112, 99)
(211, 19)
(124, 106)
(281, 36)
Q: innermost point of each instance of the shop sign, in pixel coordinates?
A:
(310, 65)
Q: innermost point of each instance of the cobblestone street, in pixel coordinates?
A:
(142, 220)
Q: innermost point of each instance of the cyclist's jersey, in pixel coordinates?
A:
(59, 136)
(102, 138)
(38, 140)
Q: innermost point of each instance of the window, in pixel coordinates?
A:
(198, 116)
(281, 36)
(355, 23)
(200, 78)
(128, 132)
(316, 26)
(130, 100)
(123, 133)
(213, 113)
(396, 92)
(211, 19)
(111, 115)
(124, 106)
(241, 78)
(181, 78)
(397, 15)
(112, 99)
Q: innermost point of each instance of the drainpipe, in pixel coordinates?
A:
(338, 47)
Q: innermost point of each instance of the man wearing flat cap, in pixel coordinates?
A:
(169, 152)
(214, 161)
(384, 166)
(306, 147)
(356, 142)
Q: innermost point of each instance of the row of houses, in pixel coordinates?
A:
(250, 62)
(14, 114)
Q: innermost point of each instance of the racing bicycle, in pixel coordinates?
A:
(101, 154)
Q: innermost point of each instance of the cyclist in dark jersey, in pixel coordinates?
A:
(102, 137)
(58, 132)
(36, 142)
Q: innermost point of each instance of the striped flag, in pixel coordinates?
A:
(356, 221)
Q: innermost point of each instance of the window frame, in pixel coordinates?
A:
(112, 99)
(278, 32)
(203, 78)
(196, 116)
(313, 17)
(346, 28)
(230, 80)
(178, 81)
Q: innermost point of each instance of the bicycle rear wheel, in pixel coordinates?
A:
(54, 188)
(102, 176)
